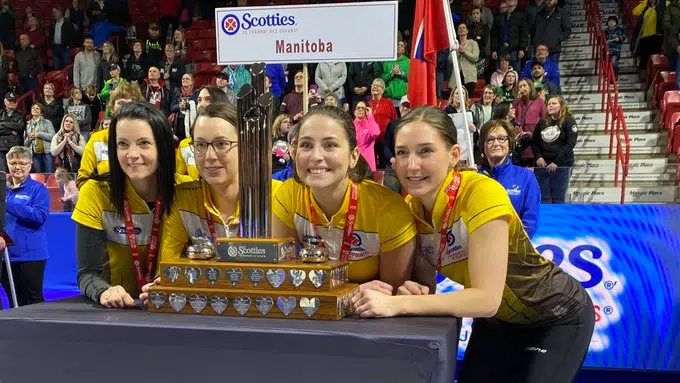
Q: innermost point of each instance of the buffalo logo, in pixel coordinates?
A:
(231, 24)
(357, 243)
(450, 238)
(199, 233)
(121, 230)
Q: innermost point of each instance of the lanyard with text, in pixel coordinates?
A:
(452, 193)
(211, 226)
(152, 252)
(350, 220)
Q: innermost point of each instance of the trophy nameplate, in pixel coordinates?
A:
(259, 250)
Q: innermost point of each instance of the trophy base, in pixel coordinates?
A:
(333, 305)
(258, 250)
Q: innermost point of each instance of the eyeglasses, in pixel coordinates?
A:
(500, 139)
(19, 164)
(220, 147)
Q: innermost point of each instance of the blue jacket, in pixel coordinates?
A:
(551, 69)
(277, 78)
(522, 188)
(28, 206)
(285, 174)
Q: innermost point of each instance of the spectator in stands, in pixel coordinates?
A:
(97, 11)
(395, 76)
(530, 110)
(468, 54)
(359, 76)
(36, 34)
(509, 35)
(483, 109)
(648, 41)
(504, 65)
(280, 147)
(108, 57)
(508, 89)
(553, 143)
(61, 35)
(390, 179)
(550, 68)
(107, 274)
(383, 112)
(25, 22)
(530, 13)
(288, 172)
(111, 84)
(222, 83)
(27, 208)
(153, 45)
(154, 92)
(181, 45)
(7, 24)
(538, 76)
(28, 65)
(485, 16)
(671, 36)
(497, 138)
(54, 107)
(238, 76)
(292, 102)
(615, 36)
(172, 69)
(38, 138)
(68, 144)
(552, 27)
(86, 65)
(11, 128)
(479, 33)
(96, 156)
(77, 17)
(455, 105)
(92, 100)
(330, 100)
(103, 30)
(184, 107)
(331, 77)
(504, 111)
(82, 112)
(366, 131)
(168, 12)
(277, 79)
(69, 190)
(4, 73)
(138, 64)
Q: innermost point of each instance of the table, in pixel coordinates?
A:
(75, 341)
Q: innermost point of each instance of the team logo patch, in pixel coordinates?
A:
(231, 24)
(121, 230)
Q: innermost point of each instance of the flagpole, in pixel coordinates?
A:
(456, 72)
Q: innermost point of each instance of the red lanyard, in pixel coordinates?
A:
(211, 225)
(350, 220)
(153, 242)
(452, 193)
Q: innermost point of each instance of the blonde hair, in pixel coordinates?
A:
(565, 113)
(76, 125)
(62, 174)
(277, 124)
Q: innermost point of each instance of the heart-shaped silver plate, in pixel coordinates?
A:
(172, 273)
(264, 305)
(219, 304)
(192, 274)
(177, 301)
(212, 274)
(234, 276)
(241, 304)
(157, 299)
(297, 277)
(198, 302)
(309, 306)
(276, 277)
(317, 277)
(286, 305)
(255, 276)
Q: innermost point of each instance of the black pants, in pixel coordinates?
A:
(28, 281)
(509, 353)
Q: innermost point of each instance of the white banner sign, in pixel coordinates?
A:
(307, 33)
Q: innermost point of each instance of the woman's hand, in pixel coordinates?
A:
(552, 167)
(413, 288)
(116, 296)
(541, 163)
(373, 304)
(376, 285)
(144, 296)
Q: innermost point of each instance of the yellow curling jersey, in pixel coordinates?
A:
(95, 158)
(186, 162)
(95, 210)
(383, 223)
(187, 219)
(536, 291)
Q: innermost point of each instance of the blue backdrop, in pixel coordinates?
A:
(627, 257)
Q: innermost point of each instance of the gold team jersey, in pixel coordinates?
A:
(536, 291)
(96, 211)
(186, 162)
(95, 159)
(187, 219)
(383, 223)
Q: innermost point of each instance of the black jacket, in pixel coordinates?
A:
(552, 27)
(165, 96)
(27, 63)
(136, 69)
(358, 76)
(67, 32)
(555, 144)
(518, 32)
(11, 130)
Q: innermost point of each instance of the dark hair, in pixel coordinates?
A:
(434, 117)
(40, 106)
(501, 112)
(361, 170)
(218, 110)
(493, 124)
(217, 95)
(162, 134)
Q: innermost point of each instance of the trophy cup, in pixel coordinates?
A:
(254, 274)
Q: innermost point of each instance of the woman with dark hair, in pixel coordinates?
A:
(332, 189)
(520, 302)
(504, 111)
(118, 215)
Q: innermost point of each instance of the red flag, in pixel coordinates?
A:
(432, 32)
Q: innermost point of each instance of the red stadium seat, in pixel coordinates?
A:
(38, 177)
(664, 81)
(655, 64)
(670, 103)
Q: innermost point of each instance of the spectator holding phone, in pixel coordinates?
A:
(367, 130)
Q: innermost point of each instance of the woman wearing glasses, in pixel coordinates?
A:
(497, 141)
(208, 207)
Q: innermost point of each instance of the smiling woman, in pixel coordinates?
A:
(118, 215)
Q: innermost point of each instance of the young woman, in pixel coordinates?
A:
(553, 143)
(82, 111)
(468, 54)
(280, 146)
(210, 205)
(54, 107)
(532, 321)
(114, 264)
(69, 190)
(507, 91)
(38, 138)
(331, 189)
(68, 144)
